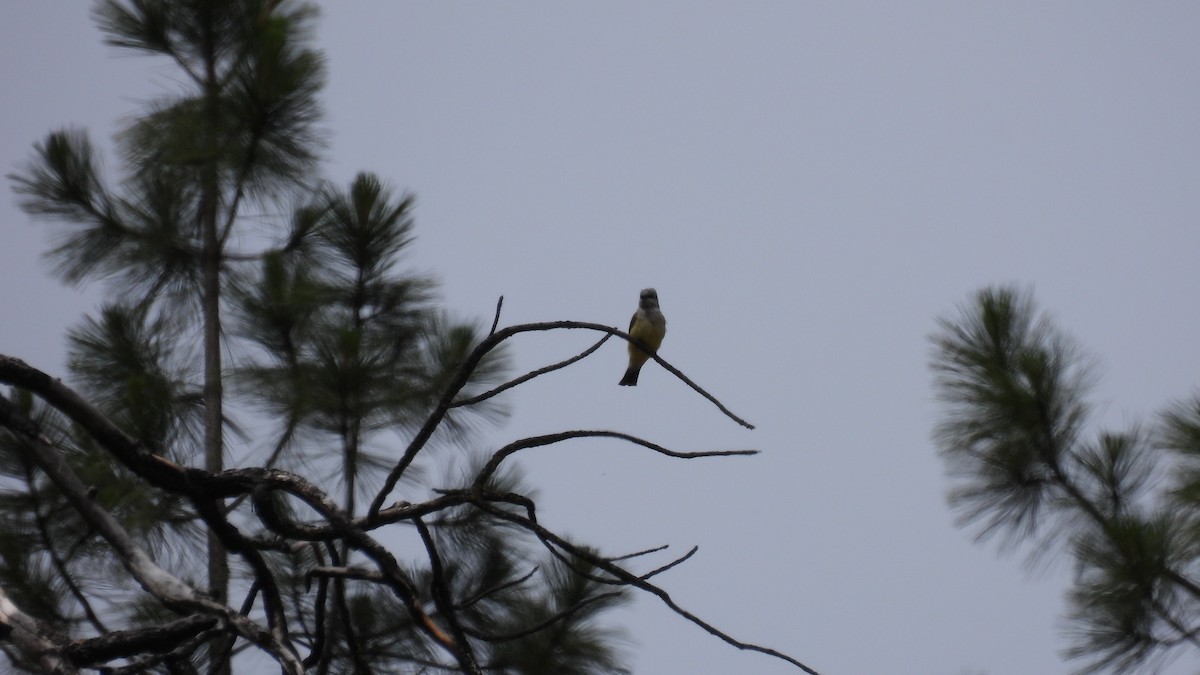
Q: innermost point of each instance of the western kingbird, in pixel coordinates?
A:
(649, 326)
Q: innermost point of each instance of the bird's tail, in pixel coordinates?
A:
(631, 375)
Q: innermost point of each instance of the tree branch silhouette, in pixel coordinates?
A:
(554, 542)
(328, 525)
(472, 361)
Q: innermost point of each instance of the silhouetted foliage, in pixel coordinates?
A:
(172, 505)
(1027, 467)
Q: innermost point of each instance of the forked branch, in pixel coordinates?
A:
(555, 543)
(463, 375)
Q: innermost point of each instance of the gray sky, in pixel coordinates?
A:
(807, 186)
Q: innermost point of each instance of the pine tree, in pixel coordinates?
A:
(299, 348)
(1027, 466)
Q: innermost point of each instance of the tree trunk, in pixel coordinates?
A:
(214, 460)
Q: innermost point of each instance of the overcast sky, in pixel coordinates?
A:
(808, 186)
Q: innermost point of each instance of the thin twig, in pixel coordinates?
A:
(530, 375)
(439, 588)
(496, 318)
(351, 572)
(552, 540)
(123, 643)
(59, 563)
(637, 554)
(463, 375)
(542, 625)
(537, 441)
(498, 588)
(353, 536)
(688, 381)
(671, 564)
(170, 590)
(321, 648)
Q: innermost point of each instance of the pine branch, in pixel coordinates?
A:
(170, 590)
(60, 565)
(33, 639)
(543, 625)
(440, 590)
(161, 639)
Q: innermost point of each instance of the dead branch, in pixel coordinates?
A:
(673, 563)
(530, 375)
(552, 541)
(440, 590)
(356, 538)
(351, 572)
(205, 488)
(496, 318)
(462, 376)
(542, 625)
(638, 554)
(35, 640)
(205, 619)
(170, 590)
(498, 588)
(126, 643)
(537, 441)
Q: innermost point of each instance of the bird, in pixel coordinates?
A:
(647, 326)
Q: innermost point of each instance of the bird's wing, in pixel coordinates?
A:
(632, 320)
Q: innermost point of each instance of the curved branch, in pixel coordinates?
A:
(352, 572)
(673, 563)
(552, 541)
(460, 378)
(356, 538)
(542, 625)
(440, 590)
(496, 318)
(169, 589)
(319, 650)
(206, 490)
(159, 639)
(537, 441)
(530, 375)
(60, 564)
(498, 588)
(636, 554)
(35, 640)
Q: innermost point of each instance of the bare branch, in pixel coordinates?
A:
(321, 647)
(460, 378)
(170, 590)
(351, 572)
(349, 632)
(60, 564)
(355, 537)
(177, 659)
(498, 588)
(125, 643)
(552, 541)
(542, 625)
(671, 564)
(677, 373)
(636, 554)
(530, 375)
(496, 318)
(35, 640)
(208, 491)
(537, 441)
(440, 590)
